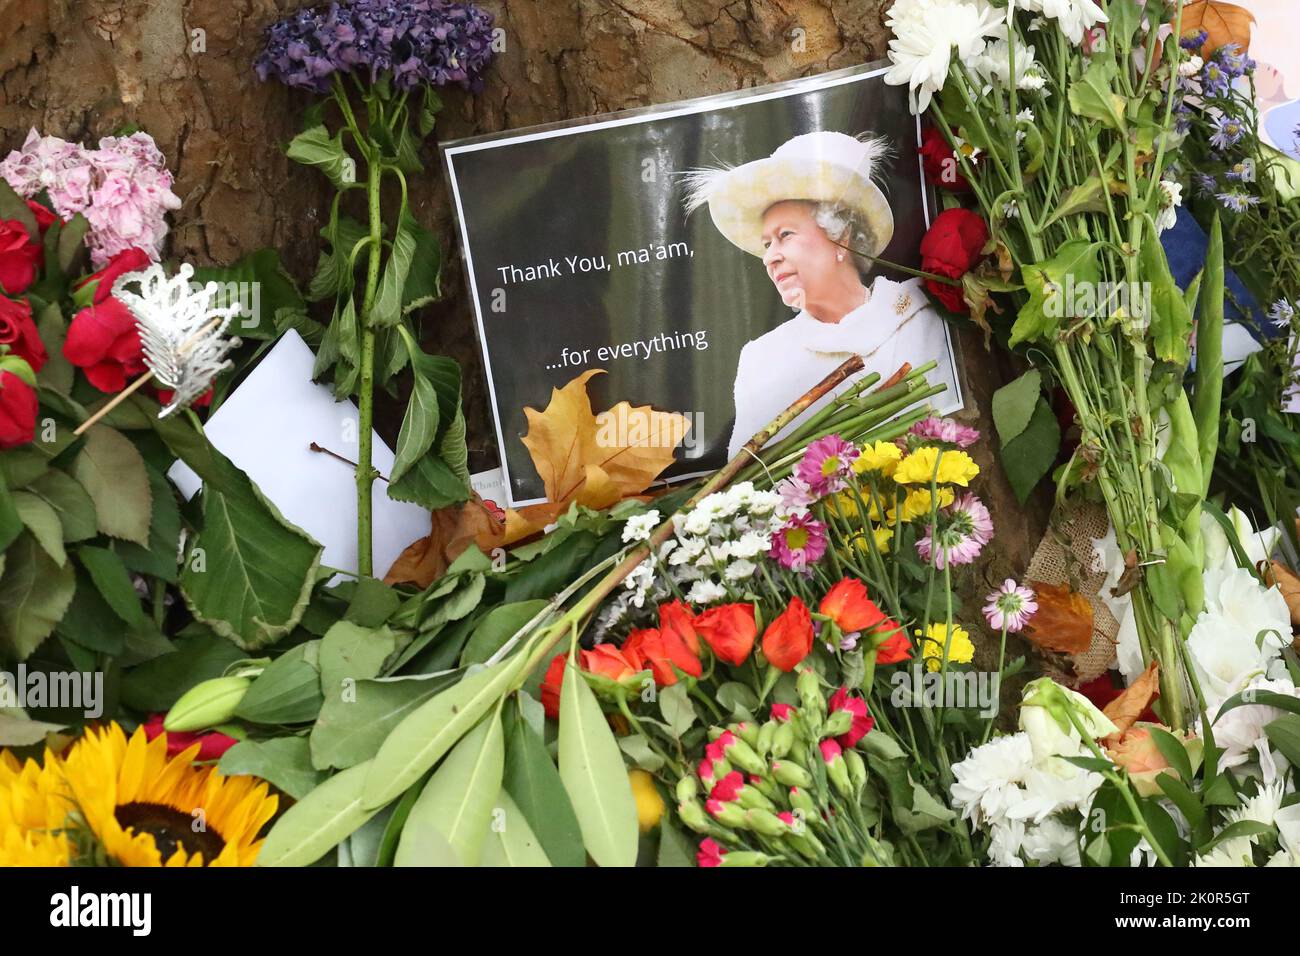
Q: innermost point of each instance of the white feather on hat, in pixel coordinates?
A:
(816, 167)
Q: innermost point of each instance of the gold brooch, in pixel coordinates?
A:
(902, 302)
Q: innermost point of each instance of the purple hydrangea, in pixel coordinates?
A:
(415, 41)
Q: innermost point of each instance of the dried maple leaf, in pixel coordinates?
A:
(1289, 585)
(1125, 709)
(1224, 23)
(597, 460)
(1063, 621)
(453, 529)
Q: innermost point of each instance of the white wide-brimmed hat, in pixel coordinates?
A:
(818, 167)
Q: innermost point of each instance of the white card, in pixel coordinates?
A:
(266, 427)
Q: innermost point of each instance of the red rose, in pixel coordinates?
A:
(849, 607)
(103, 342)
(18, 331)
(942, 167)
(894, 650)
(212, 743)
(128, 260)
(551, 685)
(789, 638)
(951, 248)
(19, 257)
(677, 619)
(44, 218)
(729, 631)
(17, 411)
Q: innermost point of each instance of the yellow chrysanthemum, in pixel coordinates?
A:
(147, 810)
(960, 648)
(882, 535)
(882, 457)
(917, 503)
(33, 807)
(954, 467)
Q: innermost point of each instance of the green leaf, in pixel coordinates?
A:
(396, 822)
(424, 279)
(352, 726)
(430, 104)
(373, 602)
(11, 524)
(70, 502)
(1088, 196)
(513, 842)
(1040, 317)
(316, 147)
(34, 594)
(282, 761)
(287, 692)
(1014, 404)
(1029, 456)
(259, 284)
(1183, 798)
(459, 798)
(421, 739)
(431, 484)
(89, 622)
(498, 626)
(638, 750)
(675, 705)
(72, 241)
(1093, 95)
(319, 821)
(351, 651)
(1171, 320)
(1208, 394)
(1172, 749)
(387, 307)
(160, 559)
(419, 426)
(157, 684)
(1284, 735)
(534, 783)
(57, 373)
(113, 581)
(250, 573)
(114, 475)
(13, 206)
(675, 849)
(43, 522)
(592, 769)
(19, 731)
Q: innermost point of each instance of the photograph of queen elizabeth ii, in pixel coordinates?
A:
(815, 218)
(714, 257)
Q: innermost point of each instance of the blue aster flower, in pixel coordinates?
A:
(1228, 132)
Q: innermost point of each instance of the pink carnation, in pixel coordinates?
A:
(945, 430)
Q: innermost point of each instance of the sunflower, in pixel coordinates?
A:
(144, 809)
(33, 808)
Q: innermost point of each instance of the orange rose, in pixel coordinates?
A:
(1137, 752)
(849, 607)
(895, 649)
(661, 652)
(551, 685)
(606, 660)
(729, 630)
(789, 638)
(676, 619)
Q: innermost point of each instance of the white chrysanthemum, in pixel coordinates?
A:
(697, 522)
(1191, 66)
(640, 527)
(987, 783)
(925, 34)
(1004, 849)
(1052, 841)
(994, 63)
(1236, 852)
(1048, 793)
(1171, 197)
(705, 592)
(1072, 16)
(1262, 807)
(1240, 732)
(763, 503)
(640, 581)
(751, 545)
(740, 570)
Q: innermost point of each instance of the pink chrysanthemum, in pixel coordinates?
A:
(963, 531)
(1010, 606)
(826, 465)
(801, 541)
(795, 493)
(945, 430)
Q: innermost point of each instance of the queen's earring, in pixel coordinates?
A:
(839, 257)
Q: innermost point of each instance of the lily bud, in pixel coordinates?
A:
(207, 704)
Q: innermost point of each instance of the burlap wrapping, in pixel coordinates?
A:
(1065, 556)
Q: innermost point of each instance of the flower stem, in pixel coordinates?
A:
(366, 384)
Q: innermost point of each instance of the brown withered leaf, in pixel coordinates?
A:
(1063, 621)
(1224, 22)
(1125, 709)
(453, 529)
(1289, 585)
